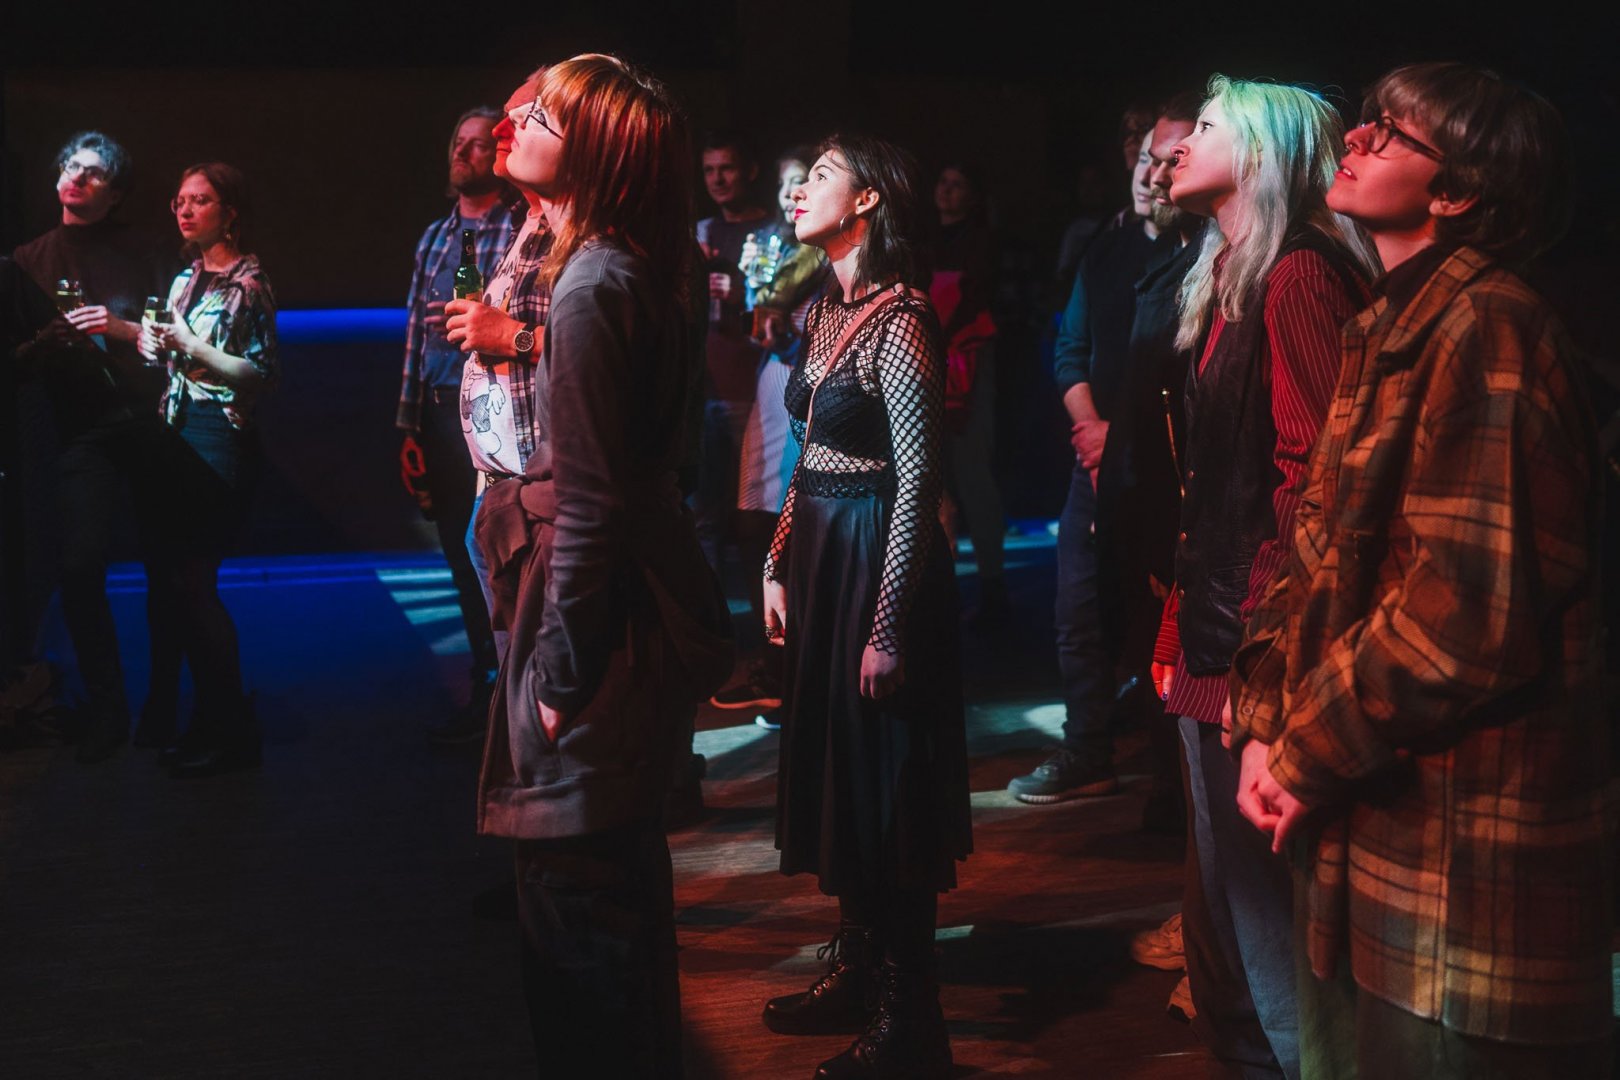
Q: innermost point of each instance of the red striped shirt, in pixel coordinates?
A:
(1307, 305)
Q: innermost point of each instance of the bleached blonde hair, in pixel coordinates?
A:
(1286, 143)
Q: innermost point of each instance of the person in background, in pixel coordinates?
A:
(1276, 277)
(729, 174)
(1096, 189)
(872, 791)
(220, 354)
(794, 275)
(103, 402)
(963, 262)
(430, 386)
(1441, 771)
(1105, 610)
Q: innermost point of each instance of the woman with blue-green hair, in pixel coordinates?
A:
(1276, 278)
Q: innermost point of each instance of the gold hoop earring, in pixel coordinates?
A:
(842, 230)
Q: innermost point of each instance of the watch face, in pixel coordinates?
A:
(523, 341)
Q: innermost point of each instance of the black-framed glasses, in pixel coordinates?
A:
(538, 115)
(1384, 129)
(95, 174)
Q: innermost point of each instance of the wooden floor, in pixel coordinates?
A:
(320, 918)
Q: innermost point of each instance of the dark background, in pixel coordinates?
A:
(340, 117)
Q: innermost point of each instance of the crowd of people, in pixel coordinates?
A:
(1330, 534)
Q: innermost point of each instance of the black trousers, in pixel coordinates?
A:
(96, 467)
(451, 479)
(598, 920)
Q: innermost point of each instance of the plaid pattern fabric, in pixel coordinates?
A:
(1426, 671)
(442, 241)
(528, 302)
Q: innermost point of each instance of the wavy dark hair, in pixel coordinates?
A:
(231, 186)
(891, 251)
(120, 167)
(626, 165)
(1504, 145)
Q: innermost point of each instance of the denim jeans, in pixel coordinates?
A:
(1247, 895)
(1084, 664)
(599, 970)
(475, 558)
(451, 479)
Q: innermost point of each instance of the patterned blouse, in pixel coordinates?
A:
(237, 315)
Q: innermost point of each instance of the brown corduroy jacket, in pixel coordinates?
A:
(1426, 670)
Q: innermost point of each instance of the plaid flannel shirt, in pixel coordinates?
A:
(442, 241)
(1426, 670)
(528, 302)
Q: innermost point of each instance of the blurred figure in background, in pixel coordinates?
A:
(103, 403)
(430, 386)
(218, 344)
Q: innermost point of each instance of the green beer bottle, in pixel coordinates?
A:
(469, 282)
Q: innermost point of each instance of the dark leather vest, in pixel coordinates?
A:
(1226, 508)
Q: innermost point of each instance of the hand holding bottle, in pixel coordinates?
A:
(475, 327)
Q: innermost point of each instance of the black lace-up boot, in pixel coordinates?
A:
(841, 1000)
(905, 1039)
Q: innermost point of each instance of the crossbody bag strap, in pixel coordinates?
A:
(897, 292)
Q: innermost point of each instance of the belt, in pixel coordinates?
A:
(445, 395)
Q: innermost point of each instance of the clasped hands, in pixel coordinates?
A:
(881, 673)
(1267, 804)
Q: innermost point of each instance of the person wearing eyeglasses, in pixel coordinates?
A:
(102, 403)
(220, 354)
(617, 623)
(1439, 772)
(429, 411)
(1276, 276)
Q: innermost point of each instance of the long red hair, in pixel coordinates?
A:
(625, 169)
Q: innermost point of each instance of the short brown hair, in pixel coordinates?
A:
(1504, 146)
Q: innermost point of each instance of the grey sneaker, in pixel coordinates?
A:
(1064, 775)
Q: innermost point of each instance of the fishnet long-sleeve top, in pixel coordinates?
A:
(878, 427)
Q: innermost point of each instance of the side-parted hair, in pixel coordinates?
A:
(1287, 142)
(891, 251)
(231, 186)
(625, 168)
(120, 168)
(1504, 146)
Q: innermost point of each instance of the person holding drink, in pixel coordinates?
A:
(101, 404)
(222, 355)
(489, 212)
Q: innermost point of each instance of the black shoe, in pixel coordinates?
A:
(469, 723)
(905, 1040)
(756, 691)
(1064, 775)
(235, 754)
(102, 738)
(841, 1000)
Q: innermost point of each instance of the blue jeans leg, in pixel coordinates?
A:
(1249, 894)
(1083, 663)
(481, 568)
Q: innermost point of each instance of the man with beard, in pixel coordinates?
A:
(434, 455)
(1112, 362)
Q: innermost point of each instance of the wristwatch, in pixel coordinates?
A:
(523, 342)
